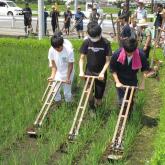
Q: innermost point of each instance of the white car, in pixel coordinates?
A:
(9, 8)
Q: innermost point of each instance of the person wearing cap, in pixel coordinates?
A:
(158, 21)
(54, 14)
(45, 20)
(27, 19)
(124, 11)
(162, 29)
(61, 62)
(141, 12)
(94, 15)
(125, 28)
(146, 37)
(67, 20)
(96, 51)
(79, 16)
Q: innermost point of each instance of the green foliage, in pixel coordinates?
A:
(159, 154)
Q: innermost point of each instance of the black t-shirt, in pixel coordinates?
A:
(125, 73)
(96, 53)
(54, 15)
(158, 21)
(27, 13)
(67, 16)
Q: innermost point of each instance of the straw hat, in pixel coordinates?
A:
(78, 7)
(162, 12)
(140, 1)
(142, 22)
(53, 6)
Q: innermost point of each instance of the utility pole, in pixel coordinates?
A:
(75, 6)
(40, 19)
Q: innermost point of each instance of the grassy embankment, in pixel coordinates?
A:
(159, 150)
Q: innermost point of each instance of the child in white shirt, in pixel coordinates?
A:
(62, 58)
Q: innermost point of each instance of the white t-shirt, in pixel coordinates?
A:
(141, 13)
(68, 44)
(61, 59)
(129, 58)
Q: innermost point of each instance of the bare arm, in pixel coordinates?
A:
(101, 75)
(116, 79)
(148, 41)
(81, 64)
(70, 69)
(53, 71)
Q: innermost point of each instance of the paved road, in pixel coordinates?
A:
(15, 27)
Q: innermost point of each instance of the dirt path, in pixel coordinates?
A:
(143, 146)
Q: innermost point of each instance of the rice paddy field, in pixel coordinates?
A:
(23, 79)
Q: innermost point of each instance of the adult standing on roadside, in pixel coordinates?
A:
(124, 11)
(67, 20)
(27, 19)
(54, 19)
(94, 16)
(141, 12)
(79, 16)
(45, 20)
(158, 21)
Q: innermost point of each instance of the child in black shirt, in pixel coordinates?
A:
(125, 64)
(97, 51)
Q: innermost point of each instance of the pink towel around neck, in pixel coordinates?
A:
(136, 61)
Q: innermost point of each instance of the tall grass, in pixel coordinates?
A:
(159, 153)
(23, 73)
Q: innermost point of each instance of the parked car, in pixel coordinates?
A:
(9, 8)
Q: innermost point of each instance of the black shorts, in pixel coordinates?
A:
(67, 25)
(99, 85)
(27, 22)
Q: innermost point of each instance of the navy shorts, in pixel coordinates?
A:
(79, 27)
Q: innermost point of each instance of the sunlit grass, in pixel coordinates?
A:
(23, 71)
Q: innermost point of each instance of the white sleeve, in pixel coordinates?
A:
(67, 43)
(50, 57)
(71, 56)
